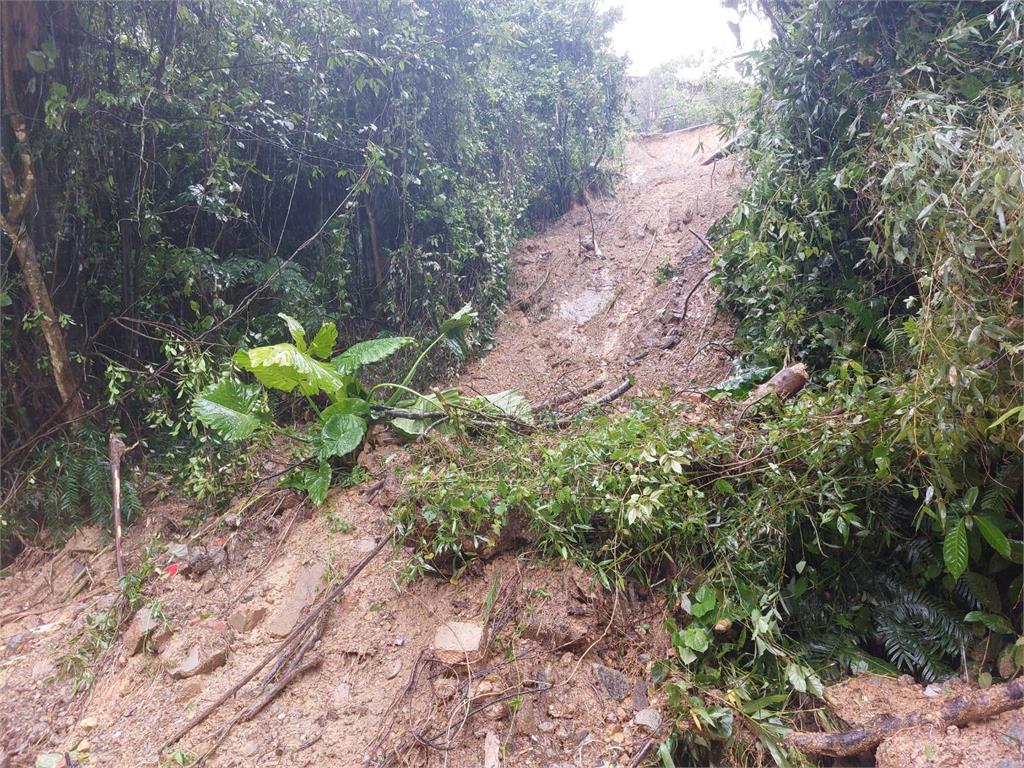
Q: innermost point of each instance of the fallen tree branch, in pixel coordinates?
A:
(287, 642)
(606, 398)
(960, 710)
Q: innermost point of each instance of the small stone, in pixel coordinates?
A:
(933, 690)
(546, 726)
(246, 620)
(177, 551)
(87, 723)
(614, 682)
(454, 641)
(394, 669)
(492, 751)
(484, 686)
(342, 692)
(723, 625)
(249, 749)
(952, 730)
(83, 745)
(202, 658)
(649, 718)
(188, 692)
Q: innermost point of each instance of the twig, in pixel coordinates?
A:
(686, 304)
(647, 256)
(639, 756)
(705, 243)
(299, 629)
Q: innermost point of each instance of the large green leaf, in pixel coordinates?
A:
(341, 434)
(233, 409)
(954, 549)
(284, 367)
(992, 621)
(512, 404)
(367, 352)
(993, 535)
(323, 342)
(295, 329)
(425, 405)
(346, 405)
(454, 330)
(315, 482)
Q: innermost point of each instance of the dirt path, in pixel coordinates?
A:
(576, 314)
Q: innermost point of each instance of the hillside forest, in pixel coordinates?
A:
(258, 254)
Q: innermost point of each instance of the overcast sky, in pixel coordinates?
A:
(654, 31)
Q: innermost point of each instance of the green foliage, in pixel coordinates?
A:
(237, 411)
(362, 166)
(69, 483)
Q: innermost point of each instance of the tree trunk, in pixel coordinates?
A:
(63, 374)
(21, 31)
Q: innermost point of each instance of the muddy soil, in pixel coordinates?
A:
(602, 291)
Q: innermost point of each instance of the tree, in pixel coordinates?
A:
(21, 23)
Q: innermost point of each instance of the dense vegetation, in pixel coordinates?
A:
(875, 522)
(176, 174)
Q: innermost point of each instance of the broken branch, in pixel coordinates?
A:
(960, 710)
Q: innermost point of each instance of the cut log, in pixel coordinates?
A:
(785, 383)
(959, 711)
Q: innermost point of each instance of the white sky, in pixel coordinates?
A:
(655, 31)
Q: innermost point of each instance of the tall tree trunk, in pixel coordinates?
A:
(21, 24)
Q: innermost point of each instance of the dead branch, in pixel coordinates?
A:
(117, 451)
(568, 397)
(960, 710)
(311, 617)
(606, 398)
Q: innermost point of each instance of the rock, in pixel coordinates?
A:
(454, 641)
(640, 700)
(203, 559)
(614, 682)
(307, 585)
(492, 751)
(55, 759)
(546, 726)
(394, 669)
(177, 551)
(199, 661)
(83, 746)
(141, 626)
(246, 620)
(649, 718)
(87, 723)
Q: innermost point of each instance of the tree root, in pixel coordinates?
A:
(960, 710)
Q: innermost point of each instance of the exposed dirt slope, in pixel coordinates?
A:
(583, 314)
(578, 313)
